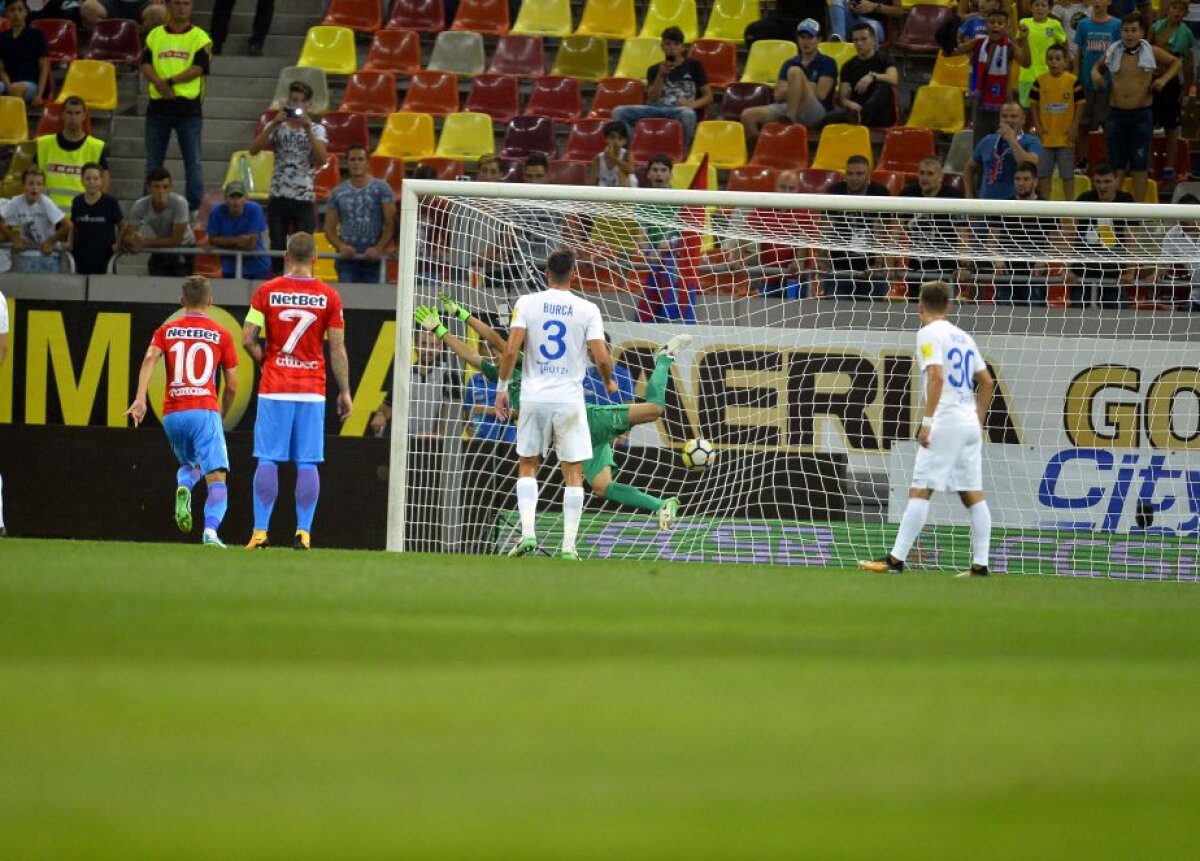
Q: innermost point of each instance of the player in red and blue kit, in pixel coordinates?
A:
(194, 347)
(294, 313)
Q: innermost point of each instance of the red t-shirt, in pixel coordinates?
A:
(295, 314)
(194, 347)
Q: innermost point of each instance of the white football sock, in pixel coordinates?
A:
(572, 514)
(1, 502)
(981, 532)
(527, 493)
(911, 525)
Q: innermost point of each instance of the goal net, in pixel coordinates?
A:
(801, 372)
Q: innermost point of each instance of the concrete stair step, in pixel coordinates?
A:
(231, 66)
(292, 23)
(251, 89)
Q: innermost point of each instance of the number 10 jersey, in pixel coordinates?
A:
(294, 314)
(193, 347)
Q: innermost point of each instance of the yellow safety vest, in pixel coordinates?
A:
(174, 53)
(64, 167)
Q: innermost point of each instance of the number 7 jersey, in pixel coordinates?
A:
(193, 346)
(294, 314)
(943, 343)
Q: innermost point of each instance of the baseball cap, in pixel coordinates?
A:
(234, 188)
(809, 26)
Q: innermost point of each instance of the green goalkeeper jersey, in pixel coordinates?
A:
(491, 371)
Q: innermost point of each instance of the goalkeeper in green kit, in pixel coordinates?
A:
(606, 423)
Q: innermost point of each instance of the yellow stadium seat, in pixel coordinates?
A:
(258, 170)
(723, 140)
(729, 18)
(315, 78)
(840, 141)
(94, 81)
(323, 267)
(637, 56)
(662, 14)
(839, 51)
(406, 135)
(583, 57)
(766, 56)
(1151, 189)
(938, 108)
(331, 49)
(684, 172)
(952, 71)
(611, 231)
(544, 18)
(466, 136)
(14, 124)
(611, 19)
(1082, 183)
(24, 155)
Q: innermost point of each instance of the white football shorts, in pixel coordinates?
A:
(563, 426)
(954, 459)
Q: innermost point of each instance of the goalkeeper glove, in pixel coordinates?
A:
(427, 318)
(454, 309)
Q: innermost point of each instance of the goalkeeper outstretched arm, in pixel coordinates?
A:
(427, 318)
(457, 309)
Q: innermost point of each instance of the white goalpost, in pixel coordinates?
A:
(801, 372)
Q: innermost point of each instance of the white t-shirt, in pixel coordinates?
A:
(1186, 245)
(558, 326)
(3, 315)
(943, 343)
(37, 221)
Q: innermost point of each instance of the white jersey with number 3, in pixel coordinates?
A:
(943, 343)
(558, 324)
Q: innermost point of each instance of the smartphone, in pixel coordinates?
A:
(293, 113)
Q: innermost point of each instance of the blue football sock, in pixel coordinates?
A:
(215, 505)
(308, 488)
(266, 489)
(187, 476)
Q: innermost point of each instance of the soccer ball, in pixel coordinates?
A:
(698, 454)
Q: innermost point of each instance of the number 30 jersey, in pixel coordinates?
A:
(194, 347)
(294, 314)
(943, 343)
(558, 326)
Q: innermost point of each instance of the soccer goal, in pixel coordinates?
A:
(801, 373)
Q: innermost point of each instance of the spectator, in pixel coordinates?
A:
(989, 173)
(868, 90)
(666, 297)
(1174, 36)
(1105, 240)
(63, 155)
(847, 15)
(804, 91)
(613, 167)
(34, 225)
(782, 21)
(299, 145)
(160, 220)
(239, 224)
(433, 387)
(535, 168)
(264, 10)
(1183, 240)
(1057, 103)
(1042, 32)
(1093, 35)
(1070, 13)
(479, 404)
(24, 57)
(855, 274)
(148, 13)
(974, 22)
(488, 168)
(943, 232)
(678, 89)
(1022, 282)
(1136, 70)
(783, 265)
(360, 221)
(992, 56)
(97, 224)
(175, 63)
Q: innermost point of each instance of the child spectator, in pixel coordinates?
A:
(97, 224)
(1057, 102)
(1070, 14)
(613, 168)
(992, 56)
(24, 57)
(35, 225)
(1175, 37)
(1043, 31)
(1093, 35)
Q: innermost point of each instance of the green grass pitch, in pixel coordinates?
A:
(178, 702)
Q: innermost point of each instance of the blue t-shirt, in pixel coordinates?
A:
(999, 165)
(222, 223)
(823, 66)
(595, 393)
(360, 212)
(481, 392)
(1093, 40)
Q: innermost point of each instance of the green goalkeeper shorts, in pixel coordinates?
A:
(605, 424)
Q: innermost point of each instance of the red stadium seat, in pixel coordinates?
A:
(51, 121)
(781, 146)
(498, 96)
(1097, 150)
(752, 178)
(719, 60)
(613, 92)
(362, 16)
(816, 181)
(557, 97)
(62, 38)
(424, 16)
(395, 51)
(586, 140)
(344, 129)
(390, 170)
(371, 93)
(653, 135)
(903, 149)
(527, 135)
(433, 93)
(893, 180)
(740, 96)
(522, 56)
(920, 25)
(117, 40)
(489, 17)
(445, 168)
(328, 175)
(564, 172)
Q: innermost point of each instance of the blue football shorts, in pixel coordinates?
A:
(290, 431)
(198, 439)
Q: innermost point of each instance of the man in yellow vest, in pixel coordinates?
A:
(175, 63)
(63, 155)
